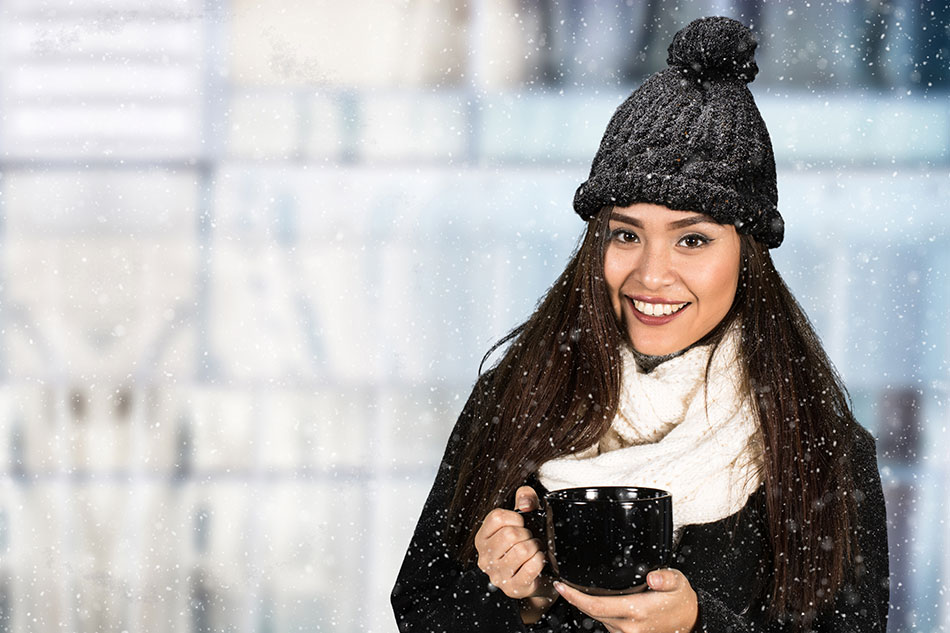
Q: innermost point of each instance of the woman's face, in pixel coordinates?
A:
(672, 275)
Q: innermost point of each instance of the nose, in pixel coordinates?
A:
(655, 267)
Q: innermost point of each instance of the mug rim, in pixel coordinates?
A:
(656, 494)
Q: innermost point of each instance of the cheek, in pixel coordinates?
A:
(720, 284)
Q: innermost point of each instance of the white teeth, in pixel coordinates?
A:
(656, 309)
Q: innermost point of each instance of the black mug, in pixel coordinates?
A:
(605, 540)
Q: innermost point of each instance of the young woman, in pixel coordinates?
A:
(668, 354)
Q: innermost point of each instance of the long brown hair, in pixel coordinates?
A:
(556, 387)
(806, 430)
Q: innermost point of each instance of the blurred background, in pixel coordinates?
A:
(251, 254)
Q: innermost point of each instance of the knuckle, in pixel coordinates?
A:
(512, 536)
(506, 531)
(501, 542)
(521, 551)
(494, 518)
(536, 563)
(529, 571)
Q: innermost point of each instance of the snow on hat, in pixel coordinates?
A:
(691, 138)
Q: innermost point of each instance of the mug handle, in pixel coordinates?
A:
(537, 522)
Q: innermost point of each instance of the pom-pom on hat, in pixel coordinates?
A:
(691, 138)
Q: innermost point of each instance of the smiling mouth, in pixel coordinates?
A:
(658, 309)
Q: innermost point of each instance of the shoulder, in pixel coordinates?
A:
(480, 398)
(862, 439)
(867, 491)
(863, 453)
(472, 416)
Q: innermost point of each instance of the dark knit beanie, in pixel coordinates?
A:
(691, 138)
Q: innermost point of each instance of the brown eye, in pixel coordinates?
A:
(623, 236)
(694, 240)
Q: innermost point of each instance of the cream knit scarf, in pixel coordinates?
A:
(667, 434)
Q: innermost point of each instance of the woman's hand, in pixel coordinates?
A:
(670, 607)
(513, 559)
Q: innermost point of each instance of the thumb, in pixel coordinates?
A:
(663, 579)
(526, 499)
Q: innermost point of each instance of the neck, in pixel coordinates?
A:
(648, 363)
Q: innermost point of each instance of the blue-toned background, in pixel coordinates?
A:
(251, 254)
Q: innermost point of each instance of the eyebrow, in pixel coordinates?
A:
(679, 224)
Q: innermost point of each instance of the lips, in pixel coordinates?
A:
(656, 312)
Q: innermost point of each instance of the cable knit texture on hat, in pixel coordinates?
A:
(675, 431)
(691, 138)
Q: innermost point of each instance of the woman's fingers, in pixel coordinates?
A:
(501, 542)
(671, 606)
(507, 553)
(496, 520)
(601, 607)
(497, 523)
(531, 568)
(517, 572)
(520, 552)
(524, 582)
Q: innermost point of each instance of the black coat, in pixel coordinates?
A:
(727, 562)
